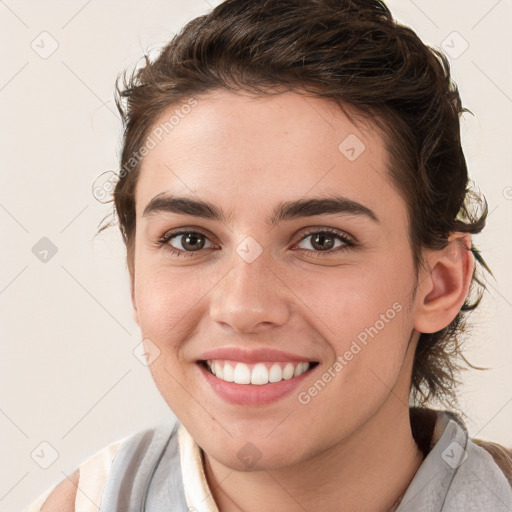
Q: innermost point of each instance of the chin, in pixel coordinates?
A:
(255, 456)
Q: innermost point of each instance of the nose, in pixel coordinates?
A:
(251, 298)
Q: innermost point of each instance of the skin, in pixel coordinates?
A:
(246, 155)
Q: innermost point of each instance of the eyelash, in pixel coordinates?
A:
(348, 242)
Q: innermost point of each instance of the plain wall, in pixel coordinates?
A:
(68, 373)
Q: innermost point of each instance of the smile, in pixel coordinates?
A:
(259, 374)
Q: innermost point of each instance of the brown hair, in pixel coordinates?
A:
(353, 53)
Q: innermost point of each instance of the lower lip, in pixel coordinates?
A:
(252, 394)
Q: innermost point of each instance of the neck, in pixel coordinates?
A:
(380, 456)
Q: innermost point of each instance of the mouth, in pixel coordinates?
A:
(259, 374)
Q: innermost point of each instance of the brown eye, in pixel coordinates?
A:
(323, 241)
(187, 241)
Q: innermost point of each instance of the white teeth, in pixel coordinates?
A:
(288, 371)
(229, 373)
(275, 374)
(300, 369)
(258, 374)
(242, 374)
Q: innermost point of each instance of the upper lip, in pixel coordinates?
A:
(252, 356)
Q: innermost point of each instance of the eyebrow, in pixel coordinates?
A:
(289, 210)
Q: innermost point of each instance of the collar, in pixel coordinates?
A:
(197, 492)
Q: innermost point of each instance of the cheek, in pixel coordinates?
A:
(364, 314)
(367, 335)
(347, 300)
(168, 305)
(169, 301)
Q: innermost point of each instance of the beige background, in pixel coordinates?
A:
(68, 373)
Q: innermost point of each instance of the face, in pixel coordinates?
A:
(325, 289)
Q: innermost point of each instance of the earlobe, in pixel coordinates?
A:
(444, 285)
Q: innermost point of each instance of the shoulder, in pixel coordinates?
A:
(502, 456)
(90, 476)
(60, 497)
(480, 480)
(63, 496)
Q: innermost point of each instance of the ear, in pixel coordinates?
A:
(443, 284)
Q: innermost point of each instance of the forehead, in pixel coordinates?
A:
(233, 149)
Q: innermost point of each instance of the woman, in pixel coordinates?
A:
(294, 201)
